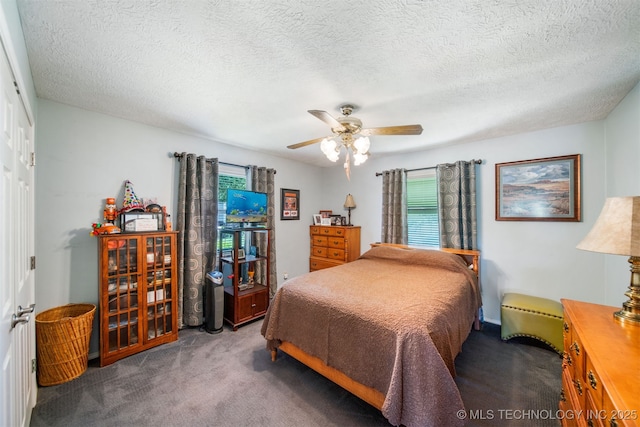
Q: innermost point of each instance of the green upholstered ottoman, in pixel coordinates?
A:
(534, 317)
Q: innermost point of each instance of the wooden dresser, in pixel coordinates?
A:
(333, 245)
(600, 368)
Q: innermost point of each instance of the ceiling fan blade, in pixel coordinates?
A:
(305, 143)
(327, 118)
(393, 130)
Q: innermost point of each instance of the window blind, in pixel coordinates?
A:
(422, 208)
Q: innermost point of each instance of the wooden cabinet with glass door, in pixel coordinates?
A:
(138, 293)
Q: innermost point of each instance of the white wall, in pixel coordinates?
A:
(622, 179)
(537, 258)
(85, 157)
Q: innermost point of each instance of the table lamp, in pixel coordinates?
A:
(617, 231)
(349, 204)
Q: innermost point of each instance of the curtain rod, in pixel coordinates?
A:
(477, 162)
(179, 156)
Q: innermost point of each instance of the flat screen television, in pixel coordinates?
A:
(244, 206)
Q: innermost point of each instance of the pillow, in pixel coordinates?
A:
(410, 256)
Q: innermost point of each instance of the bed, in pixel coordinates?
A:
(386, 327)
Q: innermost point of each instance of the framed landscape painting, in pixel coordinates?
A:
(539, 190)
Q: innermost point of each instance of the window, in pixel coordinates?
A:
(422, 208)
(228, 177)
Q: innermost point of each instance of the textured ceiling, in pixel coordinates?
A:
(246, 72)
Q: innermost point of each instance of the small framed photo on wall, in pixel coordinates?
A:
(289, 204)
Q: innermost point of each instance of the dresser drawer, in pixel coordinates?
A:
(576, 351)
(319, 240)
(337, 254)
(567, 357)
(339, 232)
(335, 242)
(594, 384)
(569, 400)
(319, 264)
(319, 251)
(593, 413)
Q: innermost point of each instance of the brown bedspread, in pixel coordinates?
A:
(393, 320)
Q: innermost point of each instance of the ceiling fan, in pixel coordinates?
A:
(348, 133)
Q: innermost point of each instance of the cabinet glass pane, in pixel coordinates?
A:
(123, 330)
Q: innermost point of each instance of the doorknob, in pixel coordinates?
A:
(18, 319)
(22, 311)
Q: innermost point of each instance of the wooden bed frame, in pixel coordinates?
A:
(370, 395)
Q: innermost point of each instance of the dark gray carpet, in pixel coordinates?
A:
(228, 379)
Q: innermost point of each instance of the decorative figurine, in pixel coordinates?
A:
(98, 228)
(110, 210)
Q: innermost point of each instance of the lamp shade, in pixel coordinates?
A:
(617, 230)
(349, 202)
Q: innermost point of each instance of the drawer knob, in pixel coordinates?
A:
(592, 380)
(613, 422)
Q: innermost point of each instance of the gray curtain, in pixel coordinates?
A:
(263, 180)
(198, 234)
(394, 206)
(457, 204)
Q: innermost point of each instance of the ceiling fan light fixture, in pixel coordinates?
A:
(359, 158)
(330, 149)
(349, 133)
(362, 145)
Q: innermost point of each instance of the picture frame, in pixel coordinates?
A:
(128, 221)
(289, 204)
(546, 189)
(317, 219)
(241, 254)
(325, 213)
(335, 219)
(325, 221)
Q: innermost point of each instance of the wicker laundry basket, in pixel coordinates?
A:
(62, 342)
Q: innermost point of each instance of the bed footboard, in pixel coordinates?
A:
(370, 395)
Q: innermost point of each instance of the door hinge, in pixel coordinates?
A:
(33, 262)
(15, 84)
(33, 158)
(34, 365)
